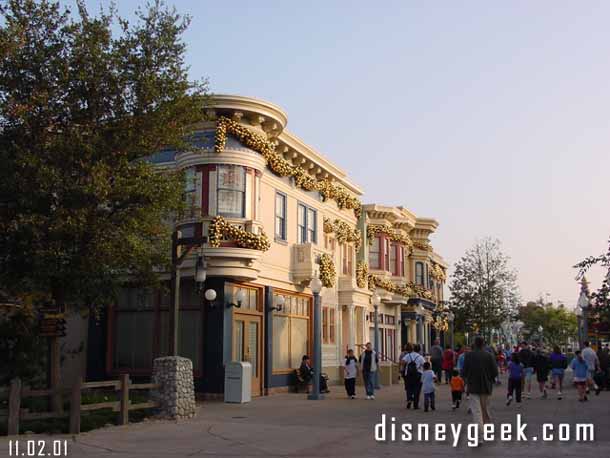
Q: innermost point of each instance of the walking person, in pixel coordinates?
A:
(526, 357)
(603, 357)
(350, 372)
(436, 358)
(542, 366)
(406, 349)
(368, 365)
(480, 371)
(428, 378)
(559, 363)
(515, 376)
(448, 363)
(580, 376)
(457, 388)
(589, 355)
(413, 369)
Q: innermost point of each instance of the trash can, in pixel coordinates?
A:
(238, 382)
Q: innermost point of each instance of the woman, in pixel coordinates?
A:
(581, 373)
(448, 363)
(559, 362)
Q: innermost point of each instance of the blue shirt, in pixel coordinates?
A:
(580, 368)
(427, 380)
(460, 362)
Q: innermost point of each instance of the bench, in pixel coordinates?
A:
(300, 381)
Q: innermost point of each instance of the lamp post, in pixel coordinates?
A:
(540, 330)
(316, 287)
(376, 300)
(583, 304)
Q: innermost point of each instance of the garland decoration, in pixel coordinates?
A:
(343, 231)
(408, 290)
(438, 273)
(393, 234)
(422, 245)
(220, 227)
(280, 166)
(328, 274)
(362, 274)
(441, 318)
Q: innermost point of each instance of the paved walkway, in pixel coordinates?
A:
(288, 425)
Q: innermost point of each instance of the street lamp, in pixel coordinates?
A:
(316, 287)
(540, 329)
(376, 300)
(583, 304)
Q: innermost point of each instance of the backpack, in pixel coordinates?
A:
(411, 369)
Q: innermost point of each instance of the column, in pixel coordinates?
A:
(351, 343)
(412, 331)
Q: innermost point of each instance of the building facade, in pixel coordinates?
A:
(276, 213)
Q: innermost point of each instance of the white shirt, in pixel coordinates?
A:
(414, 357)
(590, 357)
(351, 369)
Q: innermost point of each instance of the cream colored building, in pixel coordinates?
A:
(278, 213)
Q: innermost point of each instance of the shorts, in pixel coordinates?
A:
(528, 372)
(580, 383)
(542, 376)
(558, 373)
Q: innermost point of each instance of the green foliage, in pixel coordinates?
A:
(600, 299)
(483, 289)
(81, 106)
(558, 323)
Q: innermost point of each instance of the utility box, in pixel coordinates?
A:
(238, 382)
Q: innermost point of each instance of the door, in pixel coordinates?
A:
(247, 346)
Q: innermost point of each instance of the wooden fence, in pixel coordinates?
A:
(15, 393)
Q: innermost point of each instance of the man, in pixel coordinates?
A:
(368, 363)
(589, 355)
(413, 364)
(436, 358)
(480, 371)
(526, 357)
(604, 364)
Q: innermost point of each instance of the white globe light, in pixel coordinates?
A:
(210, 295)
(200, 275)
(316, 285)
(240, 296)
(279, 301)
(376, 300)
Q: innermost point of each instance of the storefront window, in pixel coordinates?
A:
(291, 332)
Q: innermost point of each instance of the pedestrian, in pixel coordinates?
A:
(603, 355)
(448, 363)
(589, 355)
(480, 371)
(457, 388)
(350, 372)
(368, 365)
(526, 357)
(436, 358)
(541, 368)
(460, 367)
(428, 378)
(559, 363)
(580, 370)
(413, 369)
(515, 375)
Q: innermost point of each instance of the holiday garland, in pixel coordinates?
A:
(393, 234)
(343, 231)
(441, 318)
(328, 273)
(438, 273)
(362, 274)
(422, 245)
(220, 227)
(409, 290)
(282, 167)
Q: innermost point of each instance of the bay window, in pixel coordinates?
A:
(231, 191)
(419, 273)
(375, 254)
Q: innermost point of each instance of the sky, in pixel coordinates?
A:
(492, 117)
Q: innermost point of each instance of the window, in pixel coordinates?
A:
(190, 187)
(280, 216)
(231, 191)
(290, 332)
(347, 253)
(401, 261)
(307, 219)
(386, 254)
(328, 325)
(374, 254)
(393, 259)
(419, 273)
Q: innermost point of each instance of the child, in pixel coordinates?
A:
(350, 370)
(457, 388)
(515, 377)
(580, 368)
(428, 378)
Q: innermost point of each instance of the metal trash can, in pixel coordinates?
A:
(238, 382)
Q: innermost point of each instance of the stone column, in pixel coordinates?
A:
(412, 337)
(351, 343)
(176, 393)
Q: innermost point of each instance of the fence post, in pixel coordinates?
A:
(124, 408)
(14, 406)
(75, 401)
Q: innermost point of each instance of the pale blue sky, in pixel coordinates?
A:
(492, 117)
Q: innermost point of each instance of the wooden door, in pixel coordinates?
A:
(247, 345)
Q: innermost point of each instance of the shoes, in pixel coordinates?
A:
(469, 411)
(352, 397)
(373, 397)
(453, 407)
(509, 400)
(433, 408)
(368, 397)
(559, 395)
(409, 405)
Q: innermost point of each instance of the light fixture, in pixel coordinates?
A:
(583, 300)
(540, 328)
(200, 272)
(210, 296)
(375, 300)
(316, 285)
(279, 303)
(239, 298)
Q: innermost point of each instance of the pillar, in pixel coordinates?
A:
(351, 342)
(176, 392)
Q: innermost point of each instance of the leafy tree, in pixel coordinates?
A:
(83, 100)
(558, 323)
(600, 299)
(483, 288)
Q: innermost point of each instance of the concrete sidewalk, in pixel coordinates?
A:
(288, 425)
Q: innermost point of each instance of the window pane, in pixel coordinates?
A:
(281, 336)
(280, 205)
(231, 177)
(301, 229)
(298, 340)
(311, 225)
(231, 203)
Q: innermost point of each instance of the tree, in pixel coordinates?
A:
(81, 107)
(558, 323)
(600, 299)
(483, 288)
